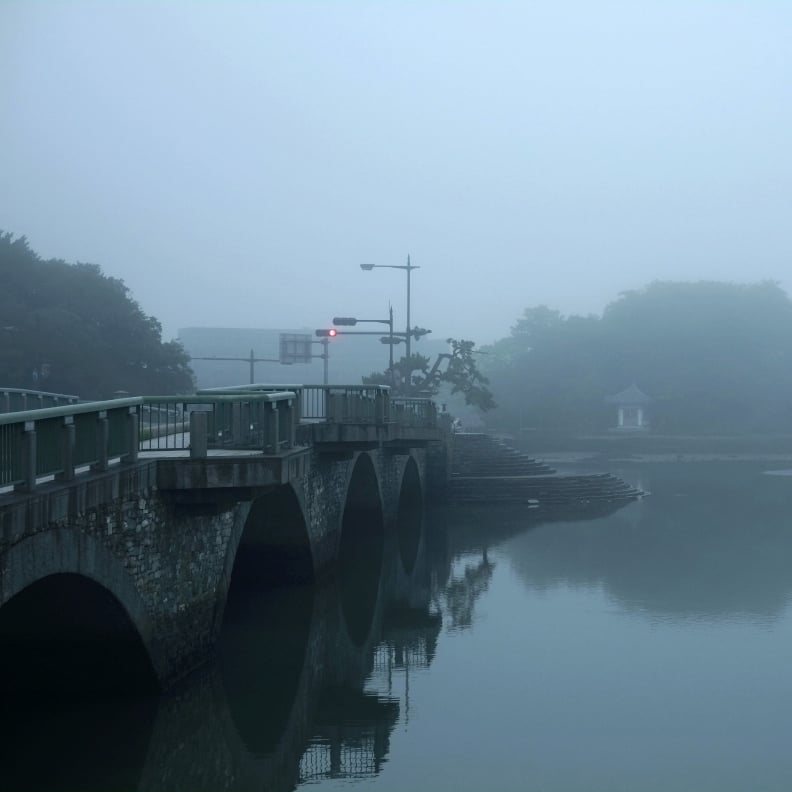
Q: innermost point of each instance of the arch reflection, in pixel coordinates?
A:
(291, 698)
(332, 718)
(409, 517)
(361, 547)
(78, 689)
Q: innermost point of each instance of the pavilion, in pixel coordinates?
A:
(631, 404)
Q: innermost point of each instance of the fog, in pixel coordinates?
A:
(234, 163)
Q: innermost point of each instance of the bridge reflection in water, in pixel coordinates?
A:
(308, 683)
(293, 698)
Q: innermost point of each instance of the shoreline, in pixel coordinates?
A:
(588, 457)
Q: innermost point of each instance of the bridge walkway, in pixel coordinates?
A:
(264, 421)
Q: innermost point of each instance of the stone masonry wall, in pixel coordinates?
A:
(168, 567)
(116, 529)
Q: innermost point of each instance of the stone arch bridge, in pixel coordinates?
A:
(125, 525)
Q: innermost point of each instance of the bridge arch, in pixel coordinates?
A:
(265, 616)
(270, 546)
(360, 548)
(63, 589)
(409, 515)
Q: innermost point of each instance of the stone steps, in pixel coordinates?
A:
(485, 470)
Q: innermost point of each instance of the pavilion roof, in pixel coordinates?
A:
(629, 396)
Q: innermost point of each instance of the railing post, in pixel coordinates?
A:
(297, 412)
(133, 437)
(382, 412)
(330, 405)
(292, 421)
(28, 483)
(273, 433)
(68, 437)
(199, 435)
(102, 442)
(237, 422)
(6, 402)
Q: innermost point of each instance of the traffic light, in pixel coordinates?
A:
(345, 321)
(331, 333)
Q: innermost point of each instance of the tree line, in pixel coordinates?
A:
(714, 357)
(69, 328)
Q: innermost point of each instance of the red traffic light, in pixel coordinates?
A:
(331, 333)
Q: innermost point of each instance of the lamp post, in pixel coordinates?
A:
(408, 267)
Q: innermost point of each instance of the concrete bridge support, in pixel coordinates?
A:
(144, 567)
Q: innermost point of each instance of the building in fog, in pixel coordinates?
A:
(631, 406)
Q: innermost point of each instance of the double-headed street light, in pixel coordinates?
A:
(408, 268)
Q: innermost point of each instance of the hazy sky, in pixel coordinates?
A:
(235, 162)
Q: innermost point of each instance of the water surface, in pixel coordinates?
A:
(646, 650)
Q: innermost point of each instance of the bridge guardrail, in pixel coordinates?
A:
(56, 440)
(21, 400)
(232, 421)
(331, 403)
(416, 412)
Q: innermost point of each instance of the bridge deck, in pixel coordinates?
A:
(59, 444)
(268, 422)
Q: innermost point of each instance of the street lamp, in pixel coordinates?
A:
(408, 268)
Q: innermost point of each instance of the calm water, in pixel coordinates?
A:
(646, 650)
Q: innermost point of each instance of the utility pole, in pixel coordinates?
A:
(251, 360)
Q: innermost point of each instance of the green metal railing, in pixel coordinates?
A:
(238, 421)
(58, 441)
(329, 403)
(21, 400)
(55, 441)
(420, 413)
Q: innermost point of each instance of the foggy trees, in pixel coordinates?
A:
(715, 357)
(71, 329)
(456, 370)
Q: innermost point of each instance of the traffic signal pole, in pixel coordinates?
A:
(325, 336)
(251, 360)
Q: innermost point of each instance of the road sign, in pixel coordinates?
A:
(295, 348)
